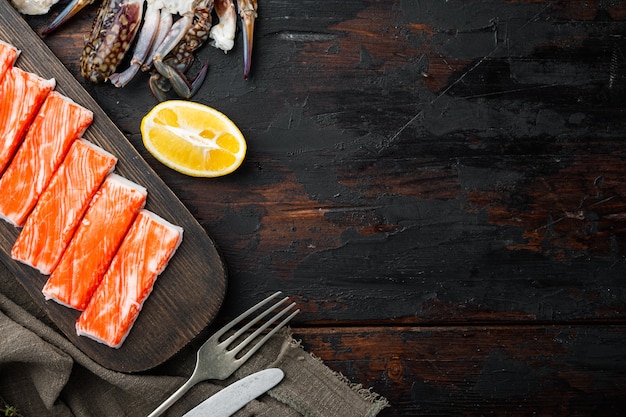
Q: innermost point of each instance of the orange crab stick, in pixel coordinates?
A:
(21, 95)
(58, 123)
(50, 226)
(8, 56)
(96, 240)
(142, 256)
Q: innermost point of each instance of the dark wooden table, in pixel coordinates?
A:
(438, 184)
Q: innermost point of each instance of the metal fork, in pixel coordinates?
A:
(217, 360)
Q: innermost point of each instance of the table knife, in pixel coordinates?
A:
(232, 398)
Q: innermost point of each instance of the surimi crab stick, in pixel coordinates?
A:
(81, 224)
(142, 256)
(21, 95)
(51, 224)
(96, 240)
(8, 56)
(58, 123)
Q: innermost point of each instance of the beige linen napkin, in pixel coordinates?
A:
(43, 374)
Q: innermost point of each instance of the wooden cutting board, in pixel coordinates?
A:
(186, 296)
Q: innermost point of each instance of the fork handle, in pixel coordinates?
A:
(174, 397)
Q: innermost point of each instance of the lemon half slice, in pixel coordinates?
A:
(193, 139)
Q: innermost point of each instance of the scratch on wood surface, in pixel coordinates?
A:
(575, 216)
(536, 15)
(434, 100)
(613, 67)
(323, 210)
(295, 36)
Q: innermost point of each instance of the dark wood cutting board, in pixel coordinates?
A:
(186, 296)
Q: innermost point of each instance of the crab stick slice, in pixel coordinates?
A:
(142, 256)
(8, 56)
(50, 226)
(21, 95)
(96, 240)
(58, 123)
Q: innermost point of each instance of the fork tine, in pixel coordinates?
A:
(244, 315)
(256, 320)
(258, 331)
(260, 343)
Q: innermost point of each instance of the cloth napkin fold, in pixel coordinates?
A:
(43, 374)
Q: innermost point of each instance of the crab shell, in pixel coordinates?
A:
(111, 36)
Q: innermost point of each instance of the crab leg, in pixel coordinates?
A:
(175, 35)
(248, 14)
(165, 25)
(66, 14)
(223, 34)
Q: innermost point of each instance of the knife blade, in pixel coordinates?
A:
(232, 398)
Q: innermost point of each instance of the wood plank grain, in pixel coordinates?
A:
(453, 164)
(561, 370)
(189, 293)
(429, 162)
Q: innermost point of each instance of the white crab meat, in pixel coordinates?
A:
(34, 7)
(174, 7)
(223, 34)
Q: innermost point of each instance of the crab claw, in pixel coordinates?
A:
(248, 14)
(159, 86)
(66, 14)
(178, 81)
